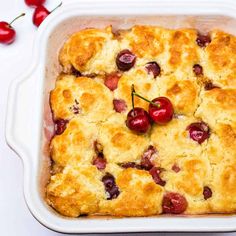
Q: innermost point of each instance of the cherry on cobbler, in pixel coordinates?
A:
(138, 120)
(174, 203)
(155, 173)
(199, 131)
(60, 126)
(125, 60)
(110, 186)
(203, 40)
(163, 112)
(153, 68)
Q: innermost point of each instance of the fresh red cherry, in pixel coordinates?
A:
(199, 131)
(7, 32)
(162, 112)
(138, 120)
(40, 13)
(34, 3)
(125, 60)
(174, 203)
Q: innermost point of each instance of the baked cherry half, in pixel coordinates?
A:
(60, 126)
(203, 40)
(161, 110)
(110, 186)
(207, 193)
(153, 68)
(125, 60)
(197, 69)
(199, 131)
(174, 203)
(138, 120)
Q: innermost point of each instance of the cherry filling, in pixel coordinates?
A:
(197, 69)
(130, 165)
(155, 172)
(110, 186)
(146, 161)
(174, 203)
(60, 126)
(207, 193)
(125, 60)
(99, 161)
(153, 68)
(209, 85)
(138, 120)
(203, 40)
(119, 105)
(111, 80)
(175, 168)
(75, 108)
(75, 72)
(199, 131)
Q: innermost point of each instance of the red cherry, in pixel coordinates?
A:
(155, 173)
(174, 203)
(203, 40)
(138, 120)
(34, 3)
(146, 159)
(162, 113)
(176, 168)
(207, 193)
(197, 69)
(40, 13)
(125, 60)
(111, 80)
(153, 68)
(199, 131)
(7, 32)
(110, 186)
(100, 162)
(60, 126)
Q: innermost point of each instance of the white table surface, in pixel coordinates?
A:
(15, 219)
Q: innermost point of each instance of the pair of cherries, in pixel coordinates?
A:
(40, 12)
(8, 33)
(160, 111)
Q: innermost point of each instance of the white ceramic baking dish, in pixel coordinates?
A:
(28, 117)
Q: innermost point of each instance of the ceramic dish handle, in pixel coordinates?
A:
(20, 114)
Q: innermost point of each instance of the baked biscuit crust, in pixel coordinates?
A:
(97, 161)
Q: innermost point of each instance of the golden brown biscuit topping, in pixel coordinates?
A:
(182, 160)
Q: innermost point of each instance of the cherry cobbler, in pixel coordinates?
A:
(145, 123)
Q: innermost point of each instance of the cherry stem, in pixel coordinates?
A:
(56, 7)
(132, 95)
(145, 99)
(16, 18)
